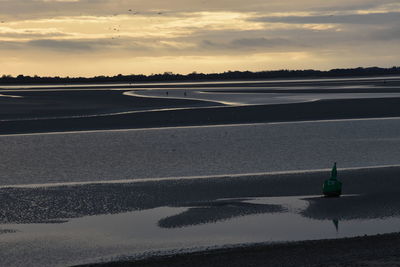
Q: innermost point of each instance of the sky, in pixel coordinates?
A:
(109, 37)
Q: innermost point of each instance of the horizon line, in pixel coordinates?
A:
(193, 73)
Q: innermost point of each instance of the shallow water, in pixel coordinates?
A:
(197, 151)
(139, 234)
(241, 98)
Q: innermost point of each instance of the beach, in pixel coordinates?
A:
(208, 174)
(380, 250)
(369, 195)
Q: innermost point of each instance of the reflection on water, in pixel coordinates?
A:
(7, 231)
(193, 226)
(211, 212)
(371, 206)
(336, 224)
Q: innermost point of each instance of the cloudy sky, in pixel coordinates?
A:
(96, 37)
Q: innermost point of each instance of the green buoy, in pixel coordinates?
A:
(332, 187)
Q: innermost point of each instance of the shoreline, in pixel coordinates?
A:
(376, 250)
(299, 78)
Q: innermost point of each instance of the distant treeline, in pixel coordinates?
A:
(229, 75)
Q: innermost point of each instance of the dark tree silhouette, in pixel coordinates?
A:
(194, 76)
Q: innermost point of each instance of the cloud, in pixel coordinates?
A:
(391, 33)
(261, 42)
(179, 33)
(245, 45)
(63, 44)
(36, 9)
(32, 33)
(371, 18)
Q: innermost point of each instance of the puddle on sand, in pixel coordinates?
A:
(97, 238)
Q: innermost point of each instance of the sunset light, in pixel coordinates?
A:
(66, 37)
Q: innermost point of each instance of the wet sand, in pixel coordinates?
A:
(81, 103)
(321, 110)
(376, 189)
(55, 109)
(380, 250)
(370, 193)
(379, 197)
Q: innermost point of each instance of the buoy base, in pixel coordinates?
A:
(332, 194)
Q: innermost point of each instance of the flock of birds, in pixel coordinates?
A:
(118, 29)
(115, 29)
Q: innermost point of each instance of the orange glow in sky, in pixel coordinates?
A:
(86, 38)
